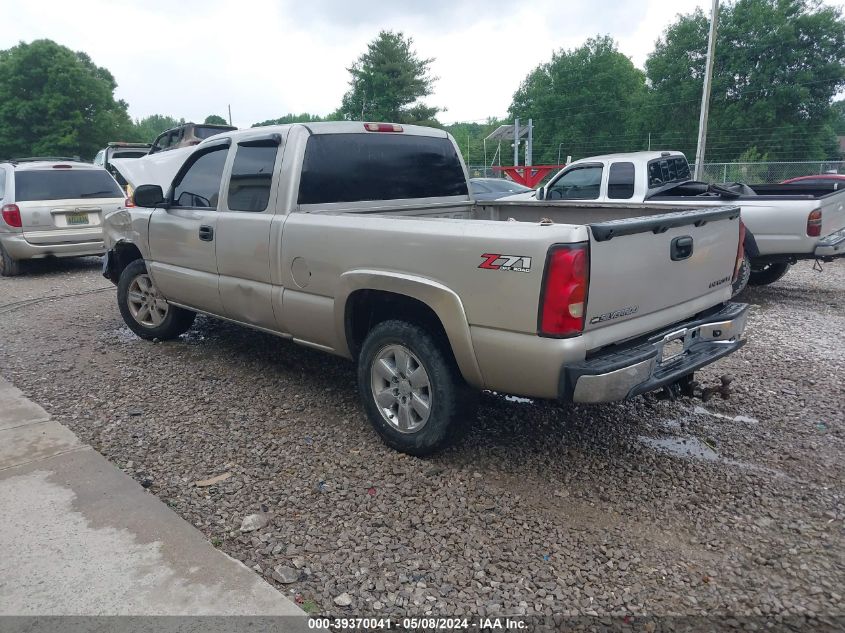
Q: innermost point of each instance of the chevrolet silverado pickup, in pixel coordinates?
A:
(786, 222)
(362, 240)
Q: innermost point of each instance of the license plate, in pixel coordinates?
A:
(76, 218)
(672, 350)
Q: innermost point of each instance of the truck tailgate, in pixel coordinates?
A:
(643, 265)
(833, 213)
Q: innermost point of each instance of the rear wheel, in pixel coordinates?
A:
(765, 274)
(145, 310)
(411, 388)
(8, 267)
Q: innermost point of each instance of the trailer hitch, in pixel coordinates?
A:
(691, 388)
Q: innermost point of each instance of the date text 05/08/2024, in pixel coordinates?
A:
(424, 623)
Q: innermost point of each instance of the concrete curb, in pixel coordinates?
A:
(79, 537)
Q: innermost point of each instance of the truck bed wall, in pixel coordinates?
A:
(566, 212)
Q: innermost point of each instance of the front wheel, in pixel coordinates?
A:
(145, 310)
(765, 274)
(411, 388)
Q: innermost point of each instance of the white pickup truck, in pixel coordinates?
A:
(785, 222)
(361, 240)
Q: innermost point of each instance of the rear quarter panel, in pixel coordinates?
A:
(322, 247)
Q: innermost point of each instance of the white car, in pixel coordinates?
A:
(53, 207)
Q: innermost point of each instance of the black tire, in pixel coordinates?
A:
(765, 274)
(743, 276)
(8, 267)
(452, 401)
(176, 321)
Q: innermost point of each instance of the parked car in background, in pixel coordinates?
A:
(53, 207)
(186, 135)
(362, 240)
(837, 180)
(494, 188)
(788, 222)
(120, 150)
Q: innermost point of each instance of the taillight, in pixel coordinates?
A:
(129, 202)
(740, 250)
(382, 127)
(564, 293)
(12, 215)
(814, 223)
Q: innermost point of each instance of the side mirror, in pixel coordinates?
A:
(541, 193)
(148, 196)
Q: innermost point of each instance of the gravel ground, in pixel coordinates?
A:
(645, 507)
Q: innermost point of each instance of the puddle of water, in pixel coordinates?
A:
(736, 418)
(683, 447)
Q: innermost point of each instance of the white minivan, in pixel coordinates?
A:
(53, 207)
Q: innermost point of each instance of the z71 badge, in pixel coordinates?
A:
(516, 263)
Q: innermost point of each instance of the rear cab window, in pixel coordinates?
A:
(252, 176)
(665, 170)
(64, 184)
(361, 167)
(620, 181)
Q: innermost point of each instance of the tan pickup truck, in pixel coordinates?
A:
(361, 239)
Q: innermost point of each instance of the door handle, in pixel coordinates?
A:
(206, 233)
(680, 248)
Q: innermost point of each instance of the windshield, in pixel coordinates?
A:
(64, 184)
(665, 170)
(130, 153)
(204, 132)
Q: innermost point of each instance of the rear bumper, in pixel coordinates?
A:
(618, 374)
(18, 248)
(832, 245)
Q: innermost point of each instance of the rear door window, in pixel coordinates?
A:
(379, 166)
(620, 181)
(64, 184)
(252, 175)
(579, 183)
(199, 187)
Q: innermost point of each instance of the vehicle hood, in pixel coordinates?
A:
(525, 195)
(153, 169)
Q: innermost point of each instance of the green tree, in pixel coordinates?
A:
(215, 119)
(839, 117)
(470, 138)
(778, 65)
(305, 117)
(582, 102)
(145, 130)
(54, 101)
(387, 83)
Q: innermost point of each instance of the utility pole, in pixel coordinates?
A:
(649, 141)
(705, 93)
(230, 114)
(529, 149)
(516, 142)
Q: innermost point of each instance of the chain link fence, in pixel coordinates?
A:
(762, 172)
(767, 172)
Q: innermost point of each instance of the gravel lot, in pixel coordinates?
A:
(647, 507)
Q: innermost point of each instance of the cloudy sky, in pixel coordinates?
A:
(191, 58)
